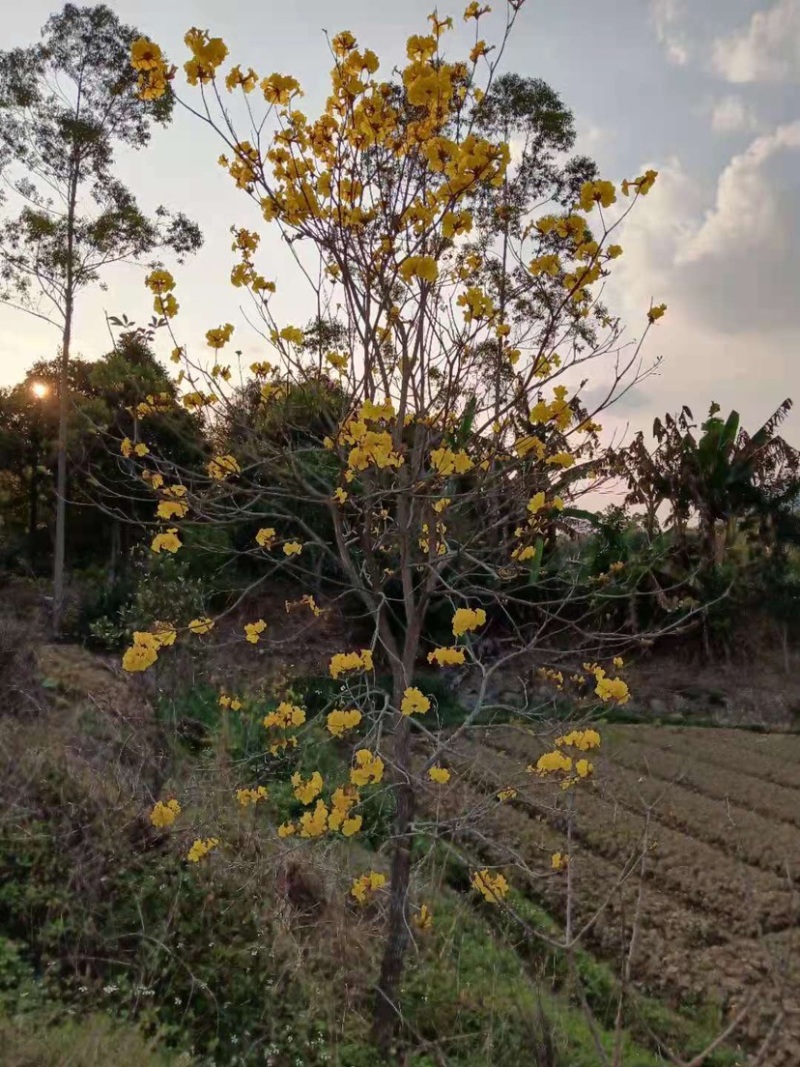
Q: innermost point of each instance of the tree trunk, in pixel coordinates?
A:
(63, 399)
(61, 473)
(386, 1011)
(33, 505)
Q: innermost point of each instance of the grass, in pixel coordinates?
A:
(251, 951)
(47, 1039)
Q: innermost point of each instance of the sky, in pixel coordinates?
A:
(707, 92)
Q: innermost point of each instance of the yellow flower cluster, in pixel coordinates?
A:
(492, 887)
(143, 653)
(148, 59)
(366, 885)
(128, 448)
(507, 794)
(305, 601)
(284, 717)
(201, 626)
(447, 657)
(582, 739)
(440, 775)
(292, 548)
(414, 702)
(556, 762)
(306, 790)
(467, 619)
(265, 536)
(612, 689)
(167, 541)
(342, 662)
(246, 797)
(314, 823)
(423, 920)
(643, 184)
(446, 462)
(254, 630)
(341, 720)
(597, 192)
(230, 703)
(609, 688)
(368, 769)
(165, 813)
(559, 860)
(207, 54)
(172, 509)
(342, 801)
(219, 337)
(201, 848)
(222, 467)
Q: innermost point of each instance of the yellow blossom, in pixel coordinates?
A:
(265, 537)
(172, 509)
(306, 790)
(612, 689)
(292, 548)
(559, 860)
(440, 775)
(201, 848)
(423, 267)
(551, 762)
(167, 542)
(219, 337)
(286, 829)
(656, 312)
(165, 813)
(467, 619)
(506, 794)
(350, 661)
(414, 702)
(145, 55)
(423, 920)
(340, 496)
(202, 625)
(447, 657)
(221, 467)
(492, 887)
(366, 885)
(246, 797)
(368, 769)
(582, 739)
(314, 823)
(254, 630)
(339, 721)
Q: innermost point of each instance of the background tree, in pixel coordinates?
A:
(66, 103)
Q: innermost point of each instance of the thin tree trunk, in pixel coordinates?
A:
(63, 401)
(61, 476)
(387, 1011)
(33, 505)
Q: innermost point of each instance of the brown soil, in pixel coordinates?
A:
(718, 910)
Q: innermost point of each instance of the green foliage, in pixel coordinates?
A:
(47, 1039)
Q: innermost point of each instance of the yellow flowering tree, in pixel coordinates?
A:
(455, 301)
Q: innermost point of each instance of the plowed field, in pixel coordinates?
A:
(719, 811)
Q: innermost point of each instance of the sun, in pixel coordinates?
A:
(39, 390)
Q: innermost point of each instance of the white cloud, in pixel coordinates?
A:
(666, 16)
(747, 213)
(730, 331)
(731, 114)
(768, 49)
